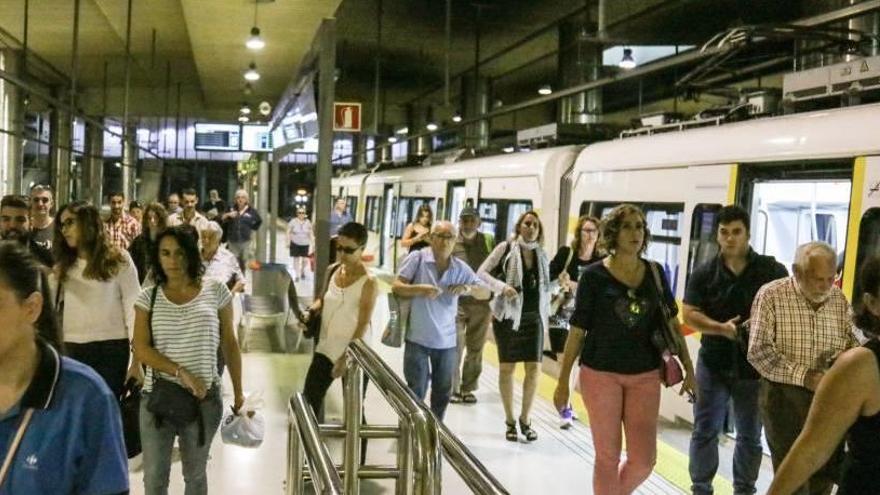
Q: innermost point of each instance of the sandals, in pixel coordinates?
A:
(527, 431)
(511, 434)
(456, 399)
(468, 398)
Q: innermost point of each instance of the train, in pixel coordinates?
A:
(806, 176)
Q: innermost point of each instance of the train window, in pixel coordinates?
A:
(498, 217)
(353, 207)
(703, 245)
(402, 216)
(786, 214)
(373, 213)
(869, 245)
(664, 220)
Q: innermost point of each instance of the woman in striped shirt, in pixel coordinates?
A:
(178, 326)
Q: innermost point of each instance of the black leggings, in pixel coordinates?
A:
(318, 381)
(109, 358)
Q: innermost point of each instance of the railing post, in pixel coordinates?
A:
(404, 458)
(353, 401)
(294, 456)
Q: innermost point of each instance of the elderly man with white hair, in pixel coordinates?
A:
(241, 221)
(799, 325)
(220, 264)
(434, 279)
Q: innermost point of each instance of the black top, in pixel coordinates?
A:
(619, 321)
(418, 245)
(41, 253)
(722, 295)
(530, 286)
(139, 249)
(241, 227)
(864, 449)
(575, 268)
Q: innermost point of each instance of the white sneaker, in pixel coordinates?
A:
(566, 417)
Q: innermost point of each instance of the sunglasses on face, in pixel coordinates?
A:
(348, 250)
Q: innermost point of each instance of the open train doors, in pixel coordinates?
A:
(794, 203)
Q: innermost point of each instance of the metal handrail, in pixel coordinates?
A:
(466, 464)
(419, 431)
(304, 425)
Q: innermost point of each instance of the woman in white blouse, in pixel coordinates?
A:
(96, 285)
(346, 307)
(178, 327)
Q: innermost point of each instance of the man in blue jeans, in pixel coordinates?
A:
(717, 302)
(434, 279)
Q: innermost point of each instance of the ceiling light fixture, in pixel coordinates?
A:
(245, 109)
(403, 131)
(252, 74)
(545, 90)
(255, 41)
(456, 118)
(431, 126)
(243, 118)
(627, 62)
(392, 139)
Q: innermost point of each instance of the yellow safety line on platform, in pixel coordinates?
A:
(671, 463)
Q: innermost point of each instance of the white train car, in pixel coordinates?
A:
(501, 187)
(810, 176)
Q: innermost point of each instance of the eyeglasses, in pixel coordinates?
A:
(348, 250)
(67, 223)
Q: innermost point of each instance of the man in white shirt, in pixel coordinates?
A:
(189, 215)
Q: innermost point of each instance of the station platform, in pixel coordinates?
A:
(560, 461)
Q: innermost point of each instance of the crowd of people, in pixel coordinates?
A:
(768, 339)
(786, 354)
(92, 307)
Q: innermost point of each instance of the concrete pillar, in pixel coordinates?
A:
(580, 61)
(11, 120)
(60, 129)
(475, 102)
(129, 162)
(93, 164)
(262, 203)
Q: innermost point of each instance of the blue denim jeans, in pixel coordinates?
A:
(423, 363)
(157, 442)
(710, 410)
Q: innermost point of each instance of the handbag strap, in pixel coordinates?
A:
(568, 260)
(16, 441)
(150, 313)
(658, 284)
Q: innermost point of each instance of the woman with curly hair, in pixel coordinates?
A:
(96, 285)
(154, 221)
(617, 310)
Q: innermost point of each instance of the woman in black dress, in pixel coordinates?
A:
(417, 233)
(566, 268)
(152, 223)
(518, 273)
(846, 405)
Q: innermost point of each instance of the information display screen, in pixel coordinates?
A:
(256, 138)
(217, 137)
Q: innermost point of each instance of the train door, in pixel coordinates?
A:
(498, 217)
(455, 196)
(793, 204)
(386, 236)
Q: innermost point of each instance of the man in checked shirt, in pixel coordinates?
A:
(799, 326)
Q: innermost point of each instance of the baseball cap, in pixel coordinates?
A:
(468, 212)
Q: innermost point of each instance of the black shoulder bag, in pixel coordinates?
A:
(169, 401)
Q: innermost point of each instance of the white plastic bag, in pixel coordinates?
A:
(246, 428)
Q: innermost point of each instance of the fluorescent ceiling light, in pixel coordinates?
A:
(245, 109)
(392, 139)
(243, 118)
(545, 90)
(456, 118)
(431, 126)
(403, 130)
